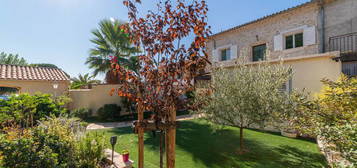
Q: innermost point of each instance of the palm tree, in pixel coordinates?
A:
(110, 40)
(83, 81)
(12, 59)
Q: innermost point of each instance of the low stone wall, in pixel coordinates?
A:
(94, 98)
(332, 157)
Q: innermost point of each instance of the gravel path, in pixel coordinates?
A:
(95, 126)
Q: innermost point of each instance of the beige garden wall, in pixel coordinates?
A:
(307, 70)
(31, 87)
(94, 98)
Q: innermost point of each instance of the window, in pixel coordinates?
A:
(259, 52)
(294, 41)
(225, 54)
(349, 68)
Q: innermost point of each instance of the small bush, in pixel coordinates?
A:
(82, 113)
(90, 150)
(109, 112)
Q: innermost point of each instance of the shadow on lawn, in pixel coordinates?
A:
(217, 148)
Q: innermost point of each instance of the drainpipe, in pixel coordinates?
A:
(322, 24)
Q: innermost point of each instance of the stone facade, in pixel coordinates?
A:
(340, 19)
(266, 31)
(318, 20)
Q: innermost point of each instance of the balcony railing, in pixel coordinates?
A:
(346, 44)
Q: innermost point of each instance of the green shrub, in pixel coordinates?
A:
(332, 116)
(25, 110)
(90, 150)
(55, 142)
(82, 113)
(109, 112)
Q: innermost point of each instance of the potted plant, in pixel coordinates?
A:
(125, 154)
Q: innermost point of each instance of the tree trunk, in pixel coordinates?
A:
(171, 140)
(141, 135)
(161, 149)
(241, 139)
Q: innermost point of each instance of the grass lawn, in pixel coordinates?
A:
(199, 146)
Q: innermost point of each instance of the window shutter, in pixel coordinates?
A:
(278, 42)
(215, 55)
(309, 36)
(234, 52)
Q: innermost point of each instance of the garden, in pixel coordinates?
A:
(200, 145)
(155, 71)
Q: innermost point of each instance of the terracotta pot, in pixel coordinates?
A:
(125, 157)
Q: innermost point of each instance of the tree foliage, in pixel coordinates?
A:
(167, 65)
(111, 43)
(83, 81)
(244, 95)
(331, 116)
(12, 59)
(44, 65)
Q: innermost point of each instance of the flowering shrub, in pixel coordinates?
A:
(332, 116)
(55, 142)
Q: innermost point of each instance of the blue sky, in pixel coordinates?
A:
(58, 31)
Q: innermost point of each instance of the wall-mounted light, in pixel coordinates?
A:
(55, 85)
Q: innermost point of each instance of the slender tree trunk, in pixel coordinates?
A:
(171, 140)
(241, 145)
(141, 135)
(161, 149)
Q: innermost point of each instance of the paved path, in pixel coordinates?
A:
(95, 126)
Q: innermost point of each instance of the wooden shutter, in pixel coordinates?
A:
(309, 35)
(278, 42)
(234, 52)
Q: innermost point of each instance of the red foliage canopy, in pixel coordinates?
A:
(168, 67)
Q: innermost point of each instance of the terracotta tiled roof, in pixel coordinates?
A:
(15, 72)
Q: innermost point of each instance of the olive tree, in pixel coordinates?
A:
(244, 95)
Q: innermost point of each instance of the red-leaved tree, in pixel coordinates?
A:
(168, 66)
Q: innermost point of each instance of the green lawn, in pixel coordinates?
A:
(199, 145)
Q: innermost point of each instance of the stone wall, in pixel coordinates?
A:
(265, 32)
(340, 18)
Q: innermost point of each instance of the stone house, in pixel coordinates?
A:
(27, 79)
(318, 39)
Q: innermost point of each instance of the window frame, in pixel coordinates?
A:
(264, 55)
(227, 57)
(293, 35)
